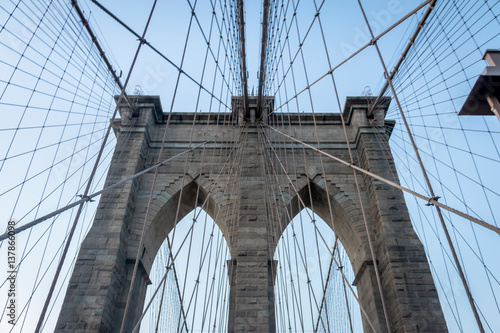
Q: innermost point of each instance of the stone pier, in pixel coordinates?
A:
(97, 292)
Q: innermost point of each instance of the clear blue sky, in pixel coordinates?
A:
(463, 163)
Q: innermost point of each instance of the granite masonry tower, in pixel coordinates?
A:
(97, 293)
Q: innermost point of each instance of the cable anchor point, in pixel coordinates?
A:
(85, 197)
(429, 203)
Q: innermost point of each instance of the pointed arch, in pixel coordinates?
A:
(311, 293)
(342, 213)
(166, 211)
(195, 293)
(345, 217)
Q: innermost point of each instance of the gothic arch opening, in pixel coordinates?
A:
(336, 212)
(164, 214)
(187, 224)
(305, 269)
(340, 211)
(192, 294)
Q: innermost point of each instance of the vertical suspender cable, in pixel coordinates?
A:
(393, 184)
(420, 25)
(424, 172)
(262, 75)
(87, 189)
(243, 74)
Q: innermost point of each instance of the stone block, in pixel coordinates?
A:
(100, 281)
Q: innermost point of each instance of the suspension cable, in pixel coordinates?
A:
(424, 172)
(80, 207)
(89, 197)
(332, 253)
(430, 200)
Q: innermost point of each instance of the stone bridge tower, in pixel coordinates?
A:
(97, 292)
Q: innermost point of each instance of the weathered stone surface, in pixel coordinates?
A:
(251, 219)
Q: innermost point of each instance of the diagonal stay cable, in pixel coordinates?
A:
(393, 184)
(424, 172)
(102, 54)
(80, 208)
(371, 42)
(89, 197)
(323, 300)
(332, 252)
(420, 25)
(158, 52)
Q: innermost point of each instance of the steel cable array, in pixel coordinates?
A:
(57, 92)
